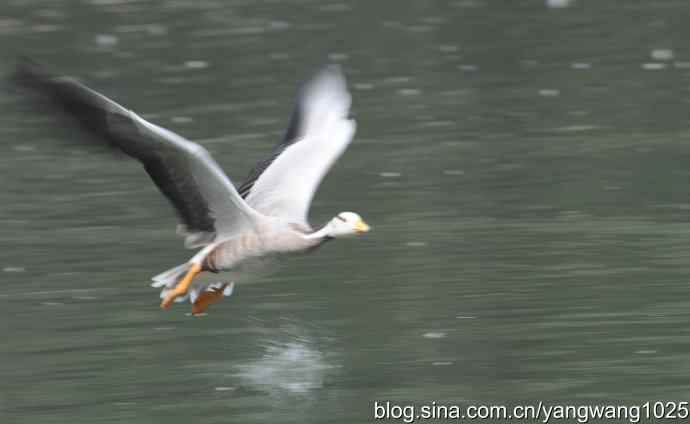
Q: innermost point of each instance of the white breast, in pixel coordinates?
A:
(251, 251)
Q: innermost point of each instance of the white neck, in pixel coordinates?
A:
(325, 231)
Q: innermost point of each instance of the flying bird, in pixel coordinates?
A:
(235, 229)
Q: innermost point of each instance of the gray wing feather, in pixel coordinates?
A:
(203, 196)
(284, 184)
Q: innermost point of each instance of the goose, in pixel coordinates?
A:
(233, 229)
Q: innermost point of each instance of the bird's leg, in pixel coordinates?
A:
(207, 298)
(182, 286)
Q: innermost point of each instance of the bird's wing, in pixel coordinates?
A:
(205, 199)
(284, 184)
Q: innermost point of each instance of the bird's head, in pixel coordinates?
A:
(347, 224)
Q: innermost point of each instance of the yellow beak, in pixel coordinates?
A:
(362, 227)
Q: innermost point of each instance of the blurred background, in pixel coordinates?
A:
(523, 164)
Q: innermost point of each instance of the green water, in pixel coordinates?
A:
(524, 169)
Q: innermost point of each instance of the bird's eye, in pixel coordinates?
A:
(341, 218)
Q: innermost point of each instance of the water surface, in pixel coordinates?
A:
(524, 169)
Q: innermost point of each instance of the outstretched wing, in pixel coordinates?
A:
(284, 184)
(203, 196)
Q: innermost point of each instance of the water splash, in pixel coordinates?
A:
(295, 367)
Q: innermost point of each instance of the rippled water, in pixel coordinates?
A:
(524, 166)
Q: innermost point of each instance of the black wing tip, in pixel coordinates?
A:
(28, 71)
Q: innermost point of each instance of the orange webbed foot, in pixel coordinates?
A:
(205, 299)
(182, 286)
(170, 298)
